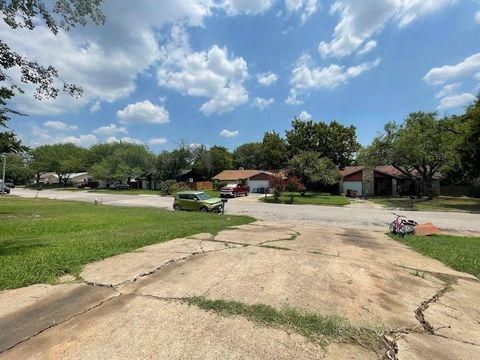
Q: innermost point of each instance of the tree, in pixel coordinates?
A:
(333, 140)
(118, 161)
(18, 168)
(274, 151)
(202, 161)
(469, 145)
(248, 156)
(277, 183)
(62, 159)
(63, 14)
(168, 164)
(419, 148)
(293, 184)
(9, 143)
(221, 159)
(313, 169)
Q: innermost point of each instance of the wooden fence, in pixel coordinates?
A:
(201, 185)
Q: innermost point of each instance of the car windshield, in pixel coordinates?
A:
(203, 196)
(231, 185)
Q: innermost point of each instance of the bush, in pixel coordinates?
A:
(277, 183)
(169, 187)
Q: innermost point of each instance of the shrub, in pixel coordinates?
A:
(277, 183)
(169, 187)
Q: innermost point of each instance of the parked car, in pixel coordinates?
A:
(4, 189)
(234, 190)
(89, 184)
(196, 201)
(10, 183)
(119, 186)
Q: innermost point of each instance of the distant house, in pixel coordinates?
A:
(75, 179)
(258, 180)
(381, 180)
(190, 176)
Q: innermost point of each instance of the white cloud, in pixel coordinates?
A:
(104, 60)
(212, 74)
(477, 17)
(441, 75)
(267, 79)
(304, 116)
(81, 140)
(477, 76)
(95, 107)
(229, 134)
(304, 77)
(262, 103)
(448, 90)
(60, 126)
(143, 111)
(126, 139)
(456, 100)
(358, 23)
(247, 7)
(56, 135)
(369, 46)
(110, 130)
(157, 141)
(306, 7)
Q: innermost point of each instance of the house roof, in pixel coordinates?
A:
(384, 169)
(238, 174)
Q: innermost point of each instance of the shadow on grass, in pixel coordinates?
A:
(19, 249)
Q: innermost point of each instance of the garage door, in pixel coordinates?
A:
(257, 184)
(353, 185)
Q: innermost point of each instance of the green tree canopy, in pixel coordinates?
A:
(248, 156)
(333, 140)
(119, 161)
(420, 148)
(274, 151)
(62, 159)
(313, 169)
(168, 164)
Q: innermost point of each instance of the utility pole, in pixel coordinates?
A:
(3, 176)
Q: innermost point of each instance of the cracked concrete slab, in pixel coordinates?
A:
(358, 245)
(360, 291)
(128, 267)
(456, 314)
(359, 275)
(429, 347)
(147, 328)
(28, 311)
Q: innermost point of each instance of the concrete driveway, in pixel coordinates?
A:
(137, 305)
(358, 216)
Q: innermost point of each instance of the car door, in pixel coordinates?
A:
(188, 202)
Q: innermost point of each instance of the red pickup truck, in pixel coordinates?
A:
(234, 190)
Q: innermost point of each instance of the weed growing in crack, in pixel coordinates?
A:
(322, 329)
(418, 273)
(275, 247)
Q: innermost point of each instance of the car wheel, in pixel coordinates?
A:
(204, 210)
(177, 208)
(234, 194)
(246, 194)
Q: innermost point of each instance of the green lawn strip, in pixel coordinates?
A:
(442, 203)
(458, 252)
(212, 193)
(308, 199)
(316, 327)
(42, 239)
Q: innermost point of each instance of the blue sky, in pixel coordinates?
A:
(222, 72)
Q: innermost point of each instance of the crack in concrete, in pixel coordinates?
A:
(117, 294)
(442, 276)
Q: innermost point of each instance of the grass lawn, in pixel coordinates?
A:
(442, 203)
(308, 199)
(458, 252)
(42, 239)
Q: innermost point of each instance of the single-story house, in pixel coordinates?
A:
(75, 178)
(258, 180)
(190, 176)
(381, 180)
